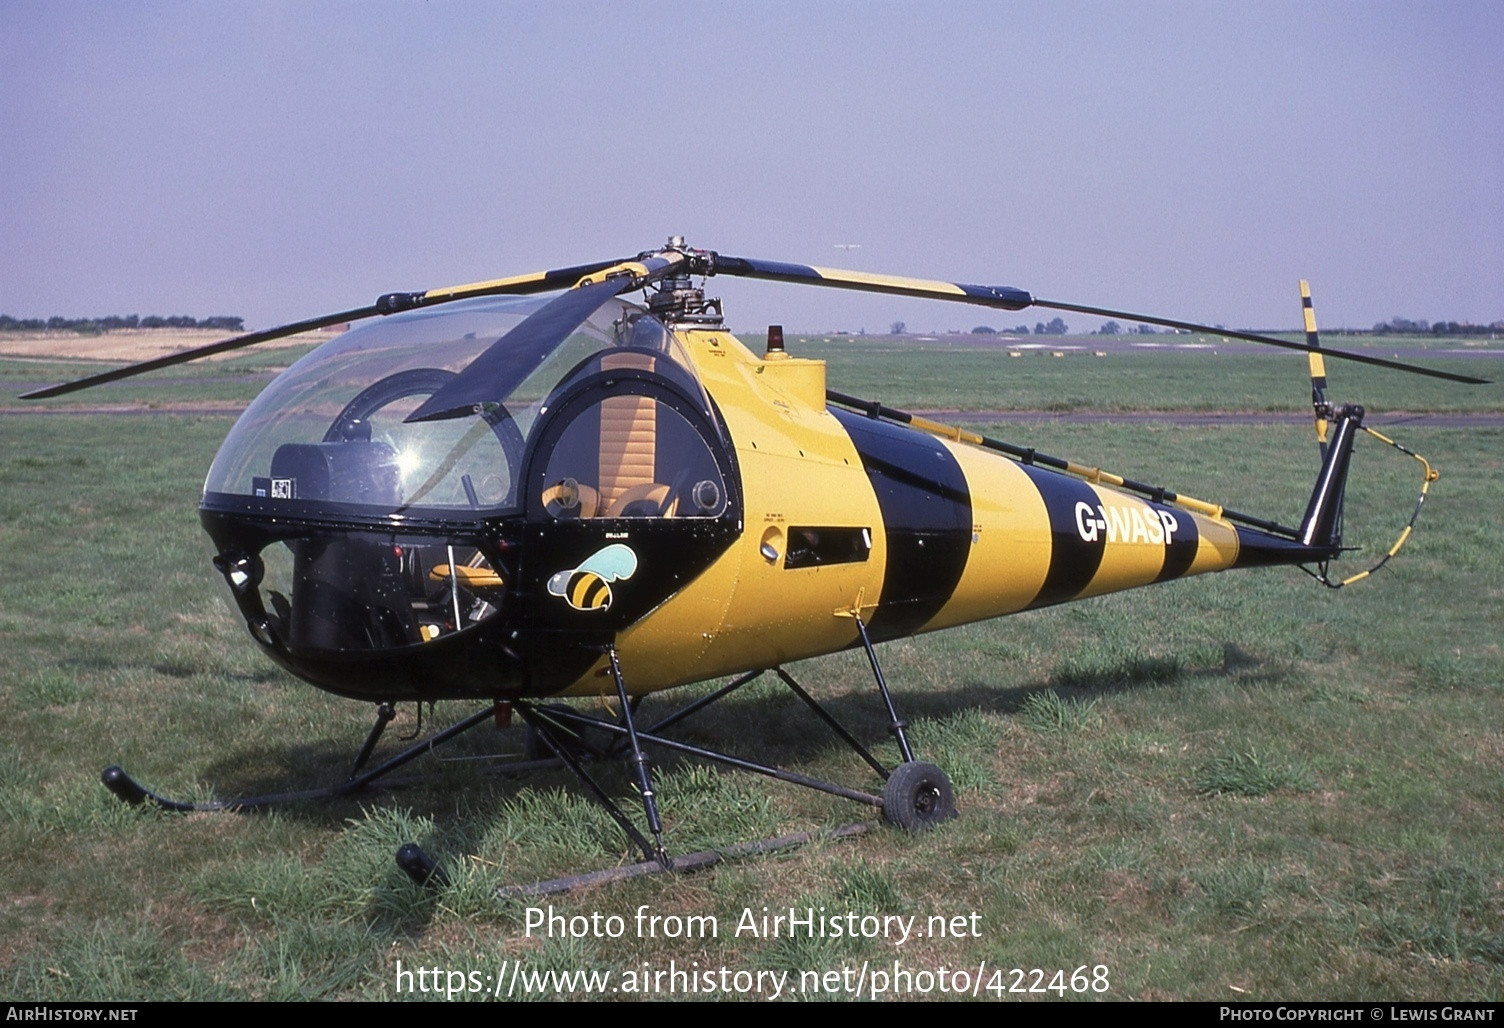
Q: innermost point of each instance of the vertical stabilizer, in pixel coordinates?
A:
(1322, 525)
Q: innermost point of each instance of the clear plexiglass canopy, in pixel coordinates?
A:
(331, 428)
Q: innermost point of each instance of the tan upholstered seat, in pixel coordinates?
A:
(629, 435)
(649, 500)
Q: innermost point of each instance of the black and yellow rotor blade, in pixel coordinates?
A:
(391, 303)
(1318, 366)
(1005, 297)
(1254, 337)
(184, 356)
(587, 282)
(1009, 298)
(505, 363)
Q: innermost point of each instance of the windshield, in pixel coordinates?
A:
(331, 431)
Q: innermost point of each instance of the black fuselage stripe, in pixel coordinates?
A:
(1073, 560)
(1181, 546)
(926, 509)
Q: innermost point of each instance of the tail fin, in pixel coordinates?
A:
(1319, 538)
(1322, 525)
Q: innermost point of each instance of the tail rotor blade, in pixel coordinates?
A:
(1318, 366)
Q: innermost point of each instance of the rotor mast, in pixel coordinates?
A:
(677, 300)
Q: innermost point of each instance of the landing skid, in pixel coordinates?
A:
(915, 796)
(682, 864)
(128, 789)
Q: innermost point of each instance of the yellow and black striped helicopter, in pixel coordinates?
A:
(481, 495)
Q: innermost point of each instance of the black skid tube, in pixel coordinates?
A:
(687, 862)
(128, 789)
(740, 763)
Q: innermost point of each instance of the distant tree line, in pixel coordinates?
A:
(113, 322)
(1057, 327)
(1112, 328)
(1406, 327)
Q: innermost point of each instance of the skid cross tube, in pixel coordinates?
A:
(384, 714)
(548, 722)
(651, 733)
(705, 701)
(742, 763)
(835, 726)
(650, 736)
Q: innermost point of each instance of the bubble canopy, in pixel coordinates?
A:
(331, 435)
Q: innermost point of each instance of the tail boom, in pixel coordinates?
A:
(1035, 531)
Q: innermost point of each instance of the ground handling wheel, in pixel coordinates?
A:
(918, 796)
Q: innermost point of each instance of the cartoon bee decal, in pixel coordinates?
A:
(588, 587)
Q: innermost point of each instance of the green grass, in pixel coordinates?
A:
(232, 381)
(1242, 786)
(1249, 773)
(958, 374)
(1051, 713)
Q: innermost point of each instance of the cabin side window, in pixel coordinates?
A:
(625, 451)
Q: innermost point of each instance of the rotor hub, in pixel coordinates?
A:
(677, 300)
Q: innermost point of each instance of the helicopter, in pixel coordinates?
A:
(481, 495)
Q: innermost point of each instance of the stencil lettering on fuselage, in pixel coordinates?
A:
(1125, 524)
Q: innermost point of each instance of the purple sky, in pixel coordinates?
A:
(280, 160)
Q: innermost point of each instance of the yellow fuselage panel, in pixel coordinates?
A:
(798, 468)
(1216, 545)
(1010, 541)
(791, 611)
(1134, 553)
(1035, 538)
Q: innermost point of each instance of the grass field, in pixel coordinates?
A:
(959, 373)
(1240, 787)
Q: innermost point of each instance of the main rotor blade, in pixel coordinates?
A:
(391, 303)
(503, 365)
(1014, 299)
(184, 356)
(1253, 337)
(1006, 297)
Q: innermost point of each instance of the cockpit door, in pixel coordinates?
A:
(630, 493)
